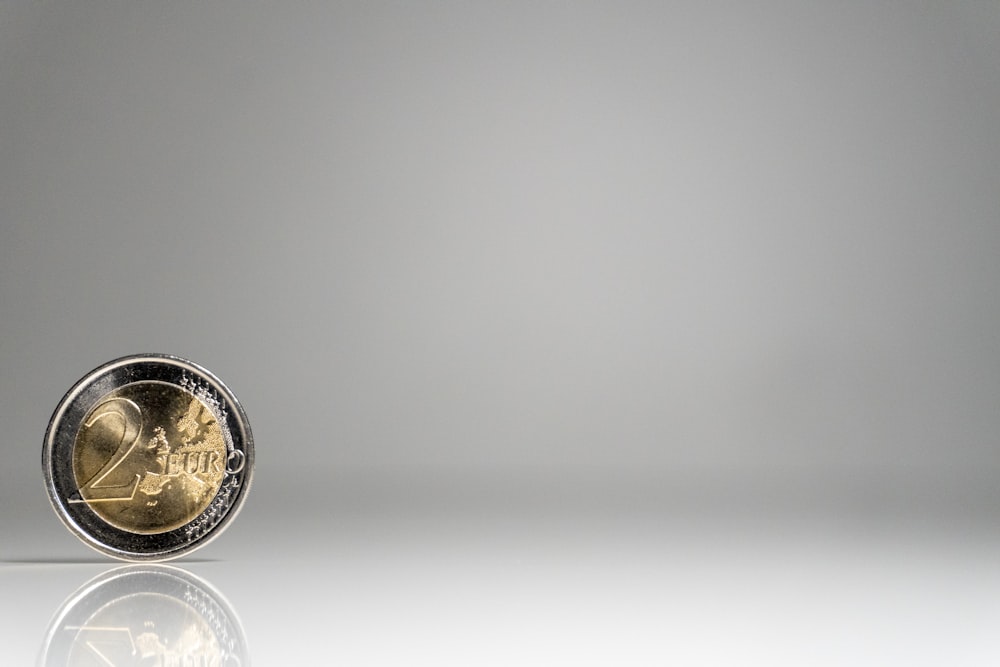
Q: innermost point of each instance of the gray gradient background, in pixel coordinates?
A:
(577, 281)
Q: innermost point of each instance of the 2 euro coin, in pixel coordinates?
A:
(148, 457)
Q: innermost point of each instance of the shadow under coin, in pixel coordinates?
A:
(145, 615)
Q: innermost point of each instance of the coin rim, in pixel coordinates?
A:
(125, 545)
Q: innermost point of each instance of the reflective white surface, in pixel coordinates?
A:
(581, 576)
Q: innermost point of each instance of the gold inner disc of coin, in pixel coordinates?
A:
(149, 457)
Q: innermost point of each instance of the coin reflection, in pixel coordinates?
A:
(148, 616)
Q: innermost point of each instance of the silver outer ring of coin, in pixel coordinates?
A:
(60, 438)
(126, 580)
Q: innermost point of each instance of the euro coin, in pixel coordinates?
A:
(148, 457)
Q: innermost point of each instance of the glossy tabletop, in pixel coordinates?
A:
(427, 573)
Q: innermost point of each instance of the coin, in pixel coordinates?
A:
(145, 615)
(148, 457)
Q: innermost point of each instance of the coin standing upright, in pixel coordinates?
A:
(148, 457)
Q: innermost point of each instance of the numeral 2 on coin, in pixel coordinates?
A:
(96, 489)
